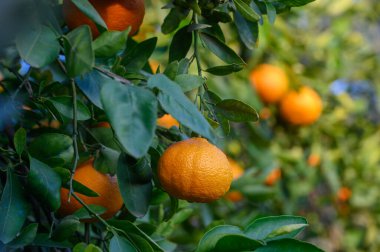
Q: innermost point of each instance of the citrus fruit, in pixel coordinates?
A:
(273, 177)
(167, 121)
(117, 14)
(314, 160)
(270, 82)
(237, 172)
(301, 107)
(344, 194)
(195, 170)
(103, 184)
(102, 125)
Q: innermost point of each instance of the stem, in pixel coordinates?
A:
(113, 75)
(87, 227)
(196, 52)
(75, 138)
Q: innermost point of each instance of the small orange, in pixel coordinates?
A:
(105, 185)
(117, 14)
(195, 170)
(314, 160)
(167, 121)
(102, 125)
(154, 64)
(271, 82)
(344, 194)
(273, 177)
(301, 107)
(237, 172)
(265, 114)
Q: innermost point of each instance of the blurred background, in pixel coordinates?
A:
(328, 172)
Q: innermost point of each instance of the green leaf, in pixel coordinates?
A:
(83, 214)
(174, 102)
(225, 70)
(189, 82)
(262, 228)
(226, 238)
(19, 140)
(246, 11)
(271, 12)
(45, 184)
(173, 19)
(248, 31)
(180, 44)
(130, 228)
(288, 245)
(66, 228)
(83, 247)
(136, 58)
(106, 161)
(135, 190)
(295, 3)
(220, 49)
(86, 7)
(78, 50)
(120, 244)
(53, 149)
(13, 209)
(25, 237)
(166, 228)
(64, 105)
(132, 112)
(110, 42)
(171, 70)
(237, 111)
(43, 240)
(39, 47)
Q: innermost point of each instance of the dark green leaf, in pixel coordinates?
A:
(57, 149)
(120, 244)
(284, 226)
(136, 57)
(173, 19)
(189, 82)
(43, 240)
(64, 105)
(82, 213)
(66, 228)
(106, 161)
(220, 49)
(19, 140)
(174, 102)
(225, 70)
(110, 42)
(223, 122)
(78, 50)
(25, 237)
(13, 209)
(180, 44)
(83, 247)
(89, 10)
(237, 111)
(166, 228)
(246, 11)
(132, 112)
(91, 84)
(172, 70)
(288, 245)
(39, 47)
(135, 190)
(45, 183)
(271, 12)
(248, 31)
(295, 3)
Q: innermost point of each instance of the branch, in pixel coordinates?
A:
(113, 75)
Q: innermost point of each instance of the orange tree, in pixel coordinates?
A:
(84, 165)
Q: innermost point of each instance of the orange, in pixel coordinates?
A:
(117, 14)
(195, 170)
(302, 107)
(237, 172)
(314, 160)
(273, 177)
(167, 121)
(154, 64)
(344, 194)
(105, 185)
(265, 114)
(271, 82)
(102, 125)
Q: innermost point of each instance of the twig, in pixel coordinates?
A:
(113, 75)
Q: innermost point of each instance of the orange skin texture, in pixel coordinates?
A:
(344, 194)
(271, 82)
(301, 108)
(273, 177)
(314, 160)
(167, 121)
(117, 14)
(237, 172)
(195, 170)
(105, 185)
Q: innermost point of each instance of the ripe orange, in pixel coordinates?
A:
(102, 125)
(105, 185)
(344, 194)
(195, 170)
(301, 107)
(237, 172)
(271, 82)
(314, 160)
(273, 177)
(117, 14)
(167, 121)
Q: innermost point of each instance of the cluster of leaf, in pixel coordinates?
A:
(79, 83)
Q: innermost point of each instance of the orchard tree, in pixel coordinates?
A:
(101, 152)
